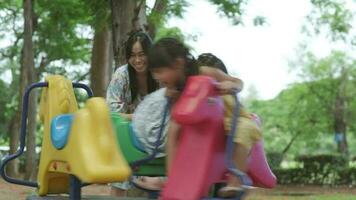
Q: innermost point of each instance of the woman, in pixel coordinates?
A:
(131, 82)
(129, 85)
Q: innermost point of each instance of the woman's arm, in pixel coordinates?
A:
(115, 95)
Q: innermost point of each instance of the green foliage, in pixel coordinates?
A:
(319, 162)
(259, 21)
(62, 43)
(331, 16)
(99, 12)
(289, 114)
(4, 91)
(335, 77)
(319, 170)
(169, 32)
(61, 34)
(303, 114)
(231, 9)
(10, 28)
(235, 10)
(331, 66)
(274, 159)
(175, 8)
(57, 36)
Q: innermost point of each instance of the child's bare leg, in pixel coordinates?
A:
(234, 183)
(240, 160)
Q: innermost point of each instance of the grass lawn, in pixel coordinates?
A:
(305, 193)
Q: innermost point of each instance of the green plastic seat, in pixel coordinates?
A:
(155, 167)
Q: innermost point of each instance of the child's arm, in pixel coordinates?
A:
(227, 83)
(172, 142)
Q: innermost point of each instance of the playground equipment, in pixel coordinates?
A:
(142, 163)
(78, 145)
(202, 149)
(199, 161)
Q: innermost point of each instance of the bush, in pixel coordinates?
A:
(319, 170)
(347, 177)
(274, 159)
(319, 162)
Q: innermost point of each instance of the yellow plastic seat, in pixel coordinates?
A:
(91, 152)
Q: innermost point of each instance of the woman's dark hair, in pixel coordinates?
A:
(146, 43)
(210, 60)
(166, 50)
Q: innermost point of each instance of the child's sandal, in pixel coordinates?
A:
(230, 191)
(147, 183)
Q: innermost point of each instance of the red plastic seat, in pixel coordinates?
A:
(199, 161)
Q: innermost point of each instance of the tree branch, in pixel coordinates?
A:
(318, 95)
(291, 142)
(81, 78)
(12, 54)
(159, 7)
(136, 17)
(44, 62)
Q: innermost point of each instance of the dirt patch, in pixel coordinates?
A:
(11, 191)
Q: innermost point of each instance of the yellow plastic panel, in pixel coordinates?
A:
(90, 154)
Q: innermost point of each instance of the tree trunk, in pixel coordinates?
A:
(27, 64)
(31, 170)
(127, 16)
(340, 126)
(340, 115)
(100, 61)
(14, 127)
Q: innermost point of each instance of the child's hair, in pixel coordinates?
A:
(146, 43)
(210, 60)
(166, 50)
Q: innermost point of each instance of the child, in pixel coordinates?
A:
(248, 132)
(171, 64)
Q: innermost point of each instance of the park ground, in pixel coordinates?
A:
(14, 192)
